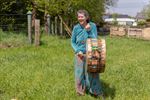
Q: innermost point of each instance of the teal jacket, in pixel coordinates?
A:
(80, 35)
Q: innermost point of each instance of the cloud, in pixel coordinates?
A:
(130, 7)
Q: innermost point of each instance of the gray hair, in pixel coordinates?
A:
(86, 14)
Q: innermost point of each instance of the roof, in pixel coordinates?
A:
(120, 20)
(120, 16)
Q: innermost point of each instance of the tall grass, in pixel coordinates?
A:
(47, 72)
(10, 39)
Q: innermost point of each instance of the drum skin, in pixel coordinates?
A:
(95, 55)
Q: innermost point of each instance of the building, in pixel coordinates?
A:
(120, 19)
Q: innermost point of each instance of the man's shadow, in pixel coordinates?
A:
(109, 92)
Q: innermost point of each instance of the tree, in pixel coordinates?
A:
(57, 7)
(110, 3)
(14, 6)
(5, 6)
(65, 8)
(115, 22)
(146, 11)
(10, 11)
(69, 7)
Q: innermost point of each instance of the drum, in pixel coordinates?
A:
(95, 55)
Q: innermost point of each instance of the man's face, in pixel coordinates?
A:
(81, 18)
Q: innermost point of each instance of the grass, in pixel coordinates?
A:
(10, 39)
(47, 72)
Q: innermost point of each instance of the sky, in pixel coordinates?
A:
(130, 7)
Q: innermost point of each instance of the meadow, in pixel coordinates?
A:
(47, 72)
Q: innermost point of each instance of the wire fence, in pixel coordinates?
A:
(13, 22)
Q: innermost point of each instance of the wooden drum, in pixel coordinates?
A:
(95, 55)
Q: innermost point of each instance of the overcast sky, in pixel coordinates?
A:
(130, 7)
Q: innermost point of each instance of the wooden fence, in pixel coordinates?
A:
(52, 25)
(117, 31)
(146, 33)
(142, 33)
(135, 32)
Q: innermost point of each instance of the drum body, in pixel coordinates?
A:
(95, 55)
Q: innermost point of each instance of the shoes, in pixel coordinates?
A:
(80, 93)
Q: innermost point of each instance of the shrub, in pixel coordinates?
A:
(141, 23)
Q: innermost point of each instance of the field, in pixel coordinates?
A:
(47, 72)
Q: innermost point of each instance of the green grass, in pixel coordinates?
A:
(47, 72)
(10, 39)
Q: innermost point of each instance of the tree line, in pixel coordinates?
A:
(146, 11)
(66, 9)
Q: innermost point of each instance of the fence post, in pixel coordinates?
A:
(52, 24)
(48, 22)
(37, 32)
(61, 27)
(29, 16)
(56, 26)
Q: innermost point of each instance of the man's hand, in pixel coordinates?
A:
(87, 27)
